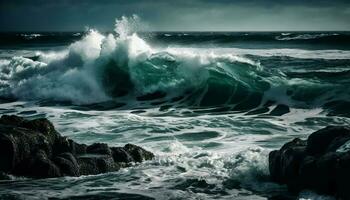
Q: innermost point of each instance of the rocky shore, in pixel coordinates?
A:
(33, 148)
(321, 163)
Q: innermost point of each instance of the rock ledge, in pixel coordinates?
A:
(33, 148)
(320, 163)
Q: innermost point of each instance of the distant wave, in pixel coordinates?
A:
(38, 39)
(335, 40)
(284, 34)
(292, 53)
(101, 67)
(31, 36)
(288, 36)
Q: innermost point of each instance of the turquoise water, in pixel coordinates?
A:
(209, 106)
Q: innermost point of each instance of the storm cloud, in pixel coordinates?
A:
(181, 15)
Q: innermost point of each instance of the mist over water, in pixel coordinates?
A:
(209, 105)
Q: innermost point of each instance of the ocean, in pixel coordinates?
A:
(209, 105)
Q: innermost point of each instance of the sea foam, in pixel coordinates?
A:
(102, 67)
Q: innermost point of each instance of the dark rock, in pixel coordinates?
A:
(43, 167)
(96, 164)
(282, 197)
(77, 148)
(288, 162)
(308, 172)
(99, 148)
(325, 168)
(342, 176)
(137, 153)
(68, 164)
(11, 120)
(319, 141)
(41, 125)
(70, 157)
(4, 176)
(120, 155)
(7, 153)
(280, 110)
(63, 145)
(33, 148)
(275, 166)
(314, 164)
(337, 142)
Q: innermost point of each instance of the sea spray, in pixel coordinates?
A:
(122, 66)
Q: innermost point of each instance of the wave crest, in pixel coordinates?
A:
(98, 67)
(101, 67)
(304, 36)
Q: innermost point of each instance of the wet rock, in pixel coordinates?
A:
(286, 163)
(33, 148)
(342, 176)
(121, 155)
(7, 153)
(42, 125)
(280, 110)
(99, 148)
(318, 142)
(96, 164)
(43, 167)
(68, 164)
(63, 145)
(11, 120)
(137, 153)
(315, 164)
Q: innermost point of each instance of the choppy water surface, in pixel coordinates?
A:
(209, 105)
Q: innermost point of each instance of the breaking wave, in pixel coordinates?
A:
(100, 68)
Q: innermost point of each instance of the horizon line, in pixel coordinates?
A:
(172, 31)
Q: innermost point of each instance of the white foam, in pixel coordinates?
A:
(294, 53)
(303, 36)
(78, 73)
(344, 148)
(127, 26)
(309, 195)
(31, 36)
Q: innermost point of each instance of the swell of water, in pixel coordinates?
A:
(211, 115)
(100, 68)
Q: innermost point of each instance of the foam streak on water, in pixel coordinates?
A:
(211, 115)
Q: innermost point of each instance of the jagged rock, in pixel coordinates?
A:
(138, 153)
(315, 164)
(96, 164)
(319, 141)
(280, 110)
(68, 164)
(342, 176)
(288, 162)
(33, 148)
(121, 155)
(99, 148)
(7, 153)
(43, 167)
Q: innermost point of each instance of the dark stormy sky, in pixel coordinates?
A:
(176, 15)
